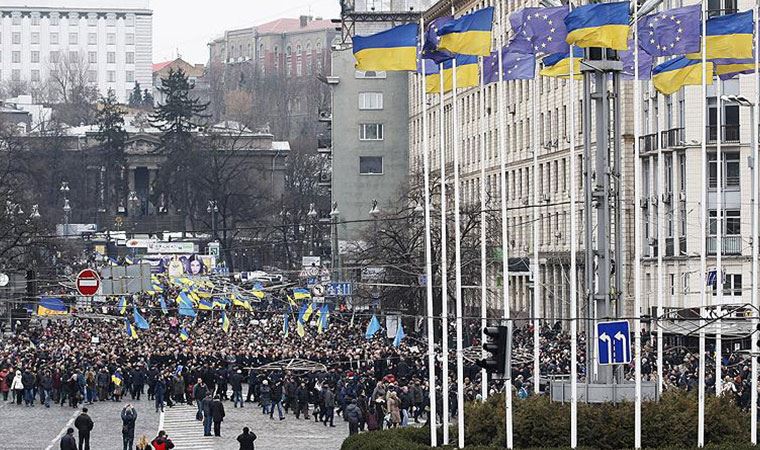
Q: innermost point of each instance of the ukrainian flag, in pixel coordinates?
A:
(299, 329)
(676, 73)
(184, 334)
(728, 37)
(122, 305)
(599, 25)
(726, 71)
(292, 302)
(205, 305)
(469, 34)
(307, 312)
(301, 293)
(51, 307)
(116, 379)
(558, 65)
(225, 323)
(258, 294)
(239, 302)
(393, 49)
(129, 329)
(468, 74)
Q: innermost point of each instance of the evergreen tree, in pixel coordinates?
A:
(112, 138)
(147, 100)
(178, 117)
(136, 98)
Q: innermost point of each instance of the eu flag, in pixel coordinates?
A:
(628, 59)
(392, 50)
(515, 66)
(599, 25)
(544, 28)
(671, 32)
(469, 34)
(678, 72)
(728, 38)
(430, 49)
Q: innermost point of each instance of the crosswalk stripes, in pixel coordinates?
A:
(184, 430)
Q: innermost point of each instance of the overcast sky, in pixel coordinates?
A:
(187, 26)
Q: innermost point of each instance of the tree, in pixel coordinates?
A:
(112, 138)
(178, 118)
(73, 90)
(136, 98)
(148, 102)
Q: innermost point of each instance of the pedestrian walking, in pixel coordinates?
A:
(162, 442)
(217, 415)
(246, 439)
(17, 387)
(207, 414)
(67, 441)
(128, 420)
(328, 405)
(353, 415)
(236, 381)
(84, 424)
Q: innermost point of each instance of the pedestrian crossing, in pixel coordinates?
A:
(183, 429)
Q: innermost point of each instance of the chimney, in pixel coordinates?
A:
(304, 21)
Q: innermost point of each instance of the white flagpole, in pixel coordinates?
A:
(483, 249)
(573, 266)
(637, 235)
(537, 297)
(719, 235)
(458, 260)
(428, 254)
(444, 265)
(502, 148)
(661, 246)
(754, 120)
(703, 253)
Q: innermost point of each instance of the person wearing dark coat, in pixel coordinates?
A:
(159, 389)
(236, 382)
(328, 405)
(67, 441)
(353, 415)
(84, 424)
(302, 397)
(217, 415)
(128, 420)
(246, 439)
(207, 414)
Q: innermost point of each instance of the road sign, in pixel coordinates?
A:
(318, 290)
(4, 280)
(88, 282)
(614, 342)
(339, 289)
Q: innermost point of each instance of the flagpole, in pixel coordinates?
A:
(637, 235)
(502, 148)
(573, 266)
(444, 264)
(719, 235)
(703, 253)
(661, 246)
(537, 297)
(754, 120)
(458, 260)
(428, 255)
(483, 249)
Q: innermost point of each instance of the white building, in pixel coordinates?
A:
(110, 42)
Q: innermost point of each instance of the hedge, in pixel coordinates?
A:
(670, 423)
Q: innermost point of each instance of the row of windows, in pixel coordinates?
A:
(55, 38)
(92, 75)
(55, 56)
(55, 19)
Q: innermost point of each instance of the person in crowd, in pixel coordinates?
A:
(208, 412)
(128, 421)
(328, 405)
(353, 415)
(68, 442)
(236, 382)
(217, 415)
(265, 396)
(143, 443)
(17, 386)
(84, 424)
(246, 439)
(162, 441)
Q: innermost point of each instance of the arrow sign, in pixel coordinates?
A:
(614, 343)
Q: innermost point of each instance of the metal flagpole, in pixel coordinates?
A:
(458, 259)
(444, 266)
(703, 253)
(483, 249)
(573, 265)
(537, 297)
(502, 143)
(637, 235)
(661, 245)
(428, 254)
(719, 234)
(754, 120)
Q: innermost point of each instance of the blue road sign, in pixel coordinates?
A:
(339, 290)
(614, 342)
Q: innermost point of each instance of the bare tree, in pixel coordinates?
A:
(72, 89)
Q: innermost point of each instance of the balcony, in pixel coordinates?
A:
(731, 245)
(675, 137)
(729, 134)
(648, 143)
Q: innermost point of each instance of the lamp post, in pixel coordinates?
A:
(374, 213)
(335, 253)
(312, 216)
(64, 189)
(213, 209)
(134, 202)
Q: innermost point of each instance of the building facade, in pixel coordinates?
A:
(110, 43)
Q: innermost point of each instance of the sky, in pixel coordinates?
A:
(187, 26)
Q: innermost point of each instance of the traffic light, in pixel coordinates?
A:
(496, 343)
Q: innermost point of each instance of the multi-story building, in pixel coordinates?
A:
(194, 74)
(109, 43)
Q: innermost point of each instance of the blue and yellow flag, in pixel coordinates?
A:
(728, 37)
(391, 50)
(220, 303)
(469, 34)
(122, 305)
(301, 293)
(307, 312)
(185, 306)
(299, 329)
(468, 74)
(184, 334)
(728, 71)
(322, 318)
(225, 323)
(599, 25)
(205, 305)
(140, 321)
(241, 302)
(51, 307)
(129, 329)
(292, 302)
(116, 379)
(676, 73)
(558, 65)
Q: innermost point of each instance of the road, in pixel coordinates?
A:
(41, 428)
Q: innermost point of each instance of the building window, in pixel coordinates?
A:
(55, 55)
(371, 165)
(92, 76)
(370, 74)
(92, 38)
(130, 76)
(92, 57)
(129, 39)
(73, 38)
(730, 173)
(130, 57)
(111, 39)
(35, 37)
(16, 57)
(371, 132)
(732, 285)
(73, 56)
(16, 75)
(111, 58)
(35, 75)
(35, 57)
(54, 38)
(111, 76)
(732, 222)
(370, 100)
(16, 37)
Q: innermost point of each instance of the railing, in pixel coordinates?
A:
(729, 133)
(675, 137)
(731, 245)
(648, 142)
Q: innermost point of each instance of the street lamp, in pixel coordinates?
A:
(312, 216)
(134, 202)
(66, 213)
(213, 209)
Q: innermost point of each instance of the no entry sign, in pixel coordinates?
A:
(88, 282)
